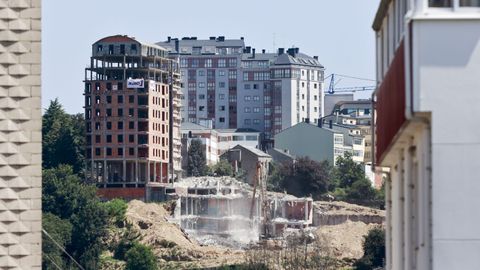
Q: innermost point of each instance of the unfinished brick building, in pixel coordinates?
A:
(132, 106)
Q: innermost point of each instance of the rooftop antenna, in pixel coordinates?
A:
(273, 42)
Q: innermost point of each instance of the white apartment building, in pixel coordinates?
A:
(233, 86)
(427, 135)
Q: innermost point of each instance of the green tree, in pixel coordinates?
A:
(304, 177)
(140, 257)
(347, 171)
(61, 231)
(373, 250)
(116, 209)
(63, 138)
(65, 196)
(197, 163)
(222, 168)
(361, 189)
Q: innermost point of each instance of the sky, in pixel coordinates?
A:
(338, 31)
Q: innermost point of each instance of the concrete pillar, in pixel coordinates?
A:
(136, 171)
(124, 170)
(148, 171)
(306, 209)
(105, 171)
(154, 171)
(161, 172)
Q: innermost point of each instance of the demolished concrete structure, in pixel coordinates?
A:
(211, 208)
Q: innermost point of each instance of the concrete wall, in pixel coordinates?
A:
(20, 135)
(307, 140)
(446, 57)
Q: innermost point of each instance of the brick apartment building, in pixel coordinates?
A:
(132, 105)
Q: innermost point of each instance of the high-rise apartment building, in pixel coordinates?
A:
(20, 135)
(236, 87)
(427, 132)
(131, 110)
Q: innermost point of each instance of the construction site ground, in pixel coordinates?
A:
(176, 249)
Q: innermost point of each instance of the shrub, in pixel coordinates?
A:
(140, 257)
(116, 210)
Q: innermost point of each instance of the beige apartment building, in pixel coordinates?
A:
(20, 135)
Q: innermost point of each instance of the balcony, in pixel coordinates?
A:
(390, 104)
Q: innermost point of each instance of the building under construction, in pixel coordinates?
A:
(132, 114)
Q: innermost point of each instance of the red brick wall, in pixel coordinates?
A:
(124, 193)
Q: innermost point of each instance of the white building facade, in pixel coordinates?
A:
(428, 61)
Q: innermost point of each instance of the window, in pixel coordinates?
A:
(201, 108)
(303, 96)
(248, 109)
(120, 99)
(109, 112)
(221, 73)
(221, 84)
(232, 62)
(246, 86)
(248, 98)
(131, 138)
(131, 99)
(120, 138)
(256, 110)
(131, 151)
(221, 96)
(221, 108)
(255, 122)
(208, 63)
(469, 3)
(315, 97)
(109, 138)
(109, 125)
(221, 119)
(120, 125)
(222, 63)
(255, 86)
(97, 138)
(99, 48)
(109, 99)
(109, 86)
(201, 72)
(97, 151)
(131, 125)
(248, 122)
(315, 109)
(120, 112)
(201, 85)
(256, 98)
(130, 112)
(201, 96)
(109, 151)
(232, 74)
(120, 151)
(440, 3)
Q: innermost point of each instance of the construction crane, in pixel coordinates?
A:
(332, 89)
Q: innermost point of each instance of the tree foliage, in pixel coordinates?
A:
(63, 138)
(197, 163)
(65, 196)
(140, 257)
(373, 250)
(222, 168)
(61, 231)
(116, 209)
(303, 178)
(347, 171)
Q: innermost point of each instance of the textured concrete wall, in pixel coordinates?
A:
(20, 135)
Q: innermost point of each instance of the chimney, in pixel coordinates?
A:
(253, 52)
(221, 38)
(213, 38)
(248, 49)
(330, 124)
(315, 57)
(169, 39)
(177, 43)
(263, 51)
(281, 51)
(242, 38)
(193, 38)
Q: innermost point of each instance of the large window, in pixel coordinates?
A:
(469, 3)
(440, 3)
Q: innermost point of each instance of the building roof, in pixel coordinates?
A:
(299, 59)
(126, 38)
(192, 126)
(258, 56)
(194, 42)
(254, 151)
(381, 12)
(238, 130)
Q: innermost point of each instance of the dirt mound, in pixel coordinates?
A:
(170, 243)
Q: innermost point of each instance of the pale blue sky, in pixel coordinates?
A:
(338, 31)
